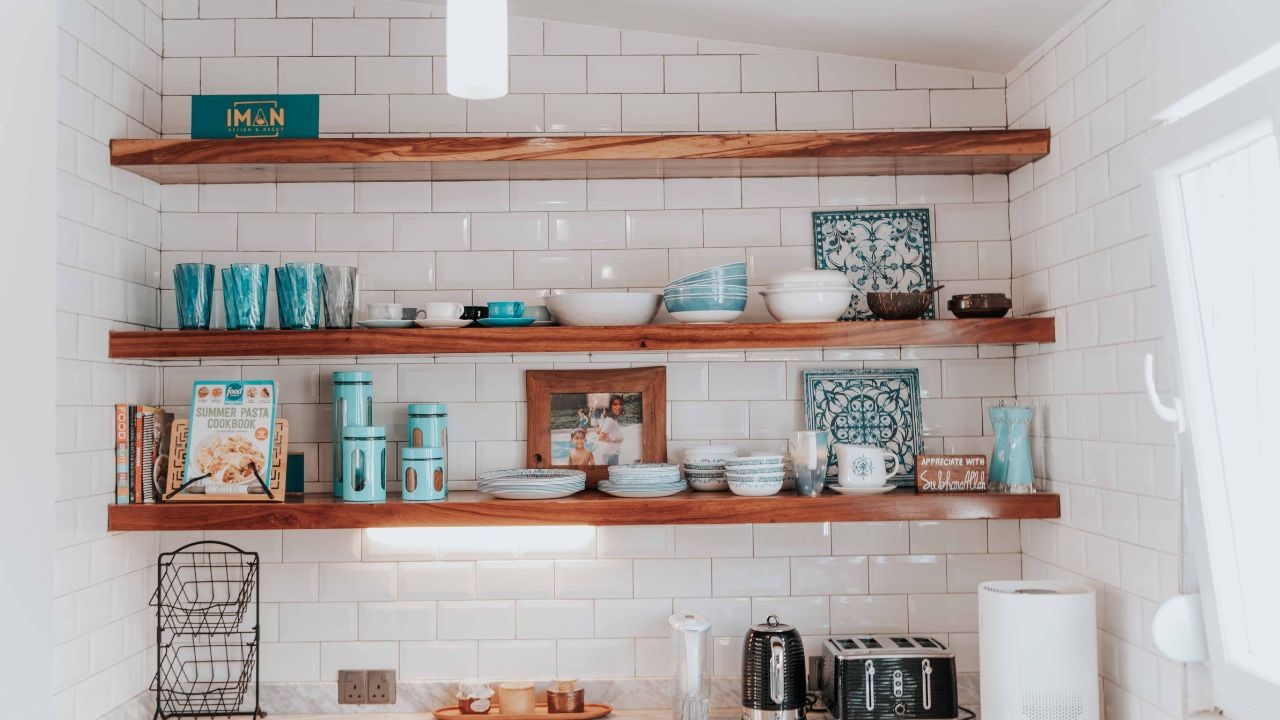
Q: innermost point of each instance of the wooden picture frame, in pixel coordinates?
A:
(558, 391)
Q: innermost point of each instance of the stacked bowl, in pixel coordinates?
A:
(714, 295)
(704, 466)
(755, 475)
(644, 480)
(808, 296)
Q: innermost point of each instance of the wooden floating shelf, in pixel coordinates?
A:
(267, 160)
(171, 344)
(586, 508)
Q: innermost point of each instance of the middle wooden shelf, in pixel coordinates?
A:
(173, 344)
(586, 508)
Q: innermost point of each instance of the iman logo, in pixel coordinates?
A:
(255, 118)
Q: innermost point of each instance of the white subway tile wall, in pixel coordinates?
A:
(450, 603)
(1080, 254)
(107, 277)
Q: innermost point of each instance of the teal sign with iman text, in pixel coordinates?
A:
(255, 116)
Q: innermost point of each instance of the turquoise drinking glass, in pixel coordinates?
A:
(300, 294)
(244, 292)
(193, 283)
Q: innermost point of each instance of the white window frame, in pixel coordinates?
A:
(1232, 122)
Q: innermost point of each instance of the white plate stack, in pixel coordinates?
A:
(756, 475)
(532, 484)
(645, 480)
(704, 466)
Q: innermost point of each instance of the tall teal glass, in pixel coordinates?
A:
(300, 295)
(244, 292)
(193, 283)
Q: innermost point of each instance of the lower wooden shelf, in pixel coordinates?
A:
(586, 508)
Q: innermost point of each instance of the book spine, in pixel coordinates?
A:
(147, 476)
(137, 456)
(122, 453)
(133, 443)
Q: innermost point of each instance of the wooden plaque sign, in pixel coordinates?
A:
(951, 473)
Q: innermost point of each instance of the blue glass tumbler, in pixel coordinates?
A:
(244, 292)
(193, 283)
(300, 294)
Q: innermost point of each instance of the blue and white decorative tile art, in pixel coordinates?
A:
(868, 407)
(878, 250)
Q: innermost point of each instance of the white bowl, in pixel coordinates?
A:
(807, 304)
(756, 459)
(754, 489)
(709, 484)
(809, 278)
(710, 453)
(611, 309)
(706, 316)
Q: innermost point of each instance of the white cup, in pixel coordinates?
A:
(442, 310)
(865, 465)
(384, 311)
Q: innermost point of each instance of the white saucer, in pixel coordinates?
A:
(443, 322)
(872, 490)
(375, 324)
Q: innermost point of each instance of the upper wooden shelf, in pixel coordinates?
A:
(266, 160)
(586, 508)
(170, 344)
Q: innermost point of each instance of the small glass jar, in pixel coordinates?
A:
(516, 698)
(364, 466)
(422, 474)
(475, 697)
(564, 696)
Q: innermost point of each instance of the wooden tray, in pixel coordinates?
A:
(590, 711)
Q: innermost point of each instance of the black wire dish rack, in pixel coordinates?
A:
(206, 637)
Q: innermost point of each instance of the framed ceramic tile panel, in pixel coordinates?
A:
(868, 407)
(878, 250)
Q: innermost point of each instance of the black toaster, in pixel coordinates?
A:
(889, 677)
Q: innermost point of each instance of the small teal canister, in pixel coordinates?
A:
(422, 476)
(364, 466)
(352, 406)
(429, 427)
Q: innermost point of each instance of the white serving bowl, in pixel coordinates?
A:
(802, 305)
(609, 309)
(754, 489)
(808, 279)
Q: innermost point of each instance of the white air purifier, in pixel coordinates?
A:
(1039, 651)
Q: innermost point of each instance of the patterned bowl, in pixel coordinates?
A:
(709, 484)
(754, 489)
(710, 453)
(754, 460)
(704, 466)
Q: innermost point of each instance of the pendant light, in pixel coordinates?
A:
(476, 48)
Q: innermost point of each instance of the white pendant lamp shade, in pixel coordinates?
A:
(476, 48)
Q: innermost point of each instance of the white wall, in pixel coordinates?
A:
(27, 200)
(1081, 255)
(108, 258)
(581, 601)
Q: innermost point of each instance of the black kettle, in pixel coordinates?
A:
(773, 682)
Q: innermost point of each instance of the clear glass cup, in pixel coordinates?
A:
(341, 293)
(809, 452)
(193, 285)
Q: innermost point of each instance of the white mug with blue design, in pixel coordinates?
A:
(865, 465)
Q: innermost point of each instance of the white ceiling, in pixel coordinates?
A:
(991, 35)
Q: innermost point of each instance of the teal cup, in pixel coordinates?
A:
(300, 295)
(193, 285)
(508, 309)
(244, 293)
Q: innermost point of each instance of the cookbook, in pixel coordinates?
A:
(230, 439)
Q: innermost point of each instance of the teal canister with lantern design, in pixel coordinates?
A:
(364, 463)
(352, 407)
(422, 474)
(429, 427)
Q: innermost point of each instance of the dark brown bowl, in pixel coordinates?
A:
(980, 305)
(899, 305)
